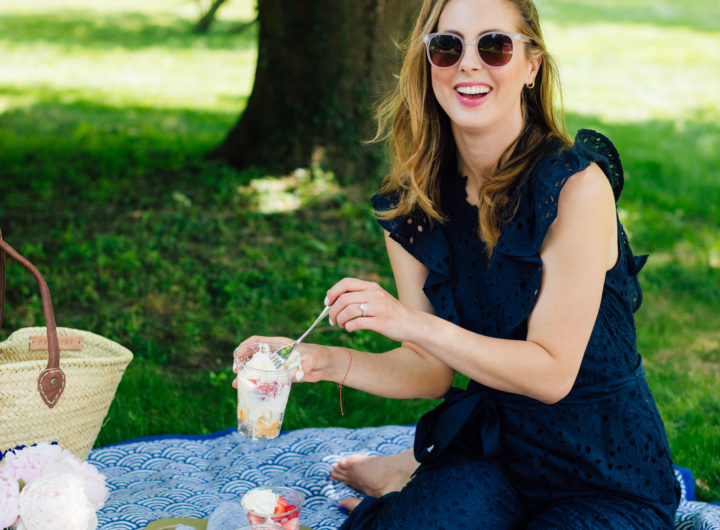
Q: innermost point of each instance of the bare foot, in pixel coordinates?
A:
(349, 504)
(376, 475)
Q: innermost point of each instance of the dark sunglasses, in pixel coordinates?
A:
(445, 50)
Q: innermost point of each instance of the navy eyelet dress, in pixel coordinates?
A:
(599, 458)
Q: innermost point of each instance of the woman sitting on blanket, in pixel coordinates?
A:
(511, 268)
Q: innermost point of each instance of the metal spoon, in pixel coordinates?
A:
(280, 356)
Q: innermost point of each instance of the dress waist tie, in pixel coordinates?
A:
(469, 418)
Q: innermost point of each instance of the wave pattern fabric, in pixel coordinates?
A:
(190, 476)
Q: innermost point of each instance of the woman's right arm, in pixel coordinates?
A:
(402, 373)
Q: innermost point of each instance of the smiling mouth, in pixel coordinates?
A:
(473, 92)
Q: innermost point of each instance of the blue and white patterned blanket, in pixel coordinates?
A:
(189, 476)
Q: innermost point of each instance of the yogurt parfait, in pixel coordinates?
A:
(262, 390)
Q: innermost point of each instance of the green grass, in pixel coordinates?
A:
(106, 111)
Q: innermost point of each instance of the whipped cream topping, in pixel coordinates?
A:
(260, 501)
(261, 359)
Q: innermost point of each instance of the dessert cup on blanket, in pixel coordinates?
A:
(278, 505)
(262, 392)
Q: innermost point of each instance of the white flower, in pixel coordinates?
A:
(93, 480)
(56, 501)
(9, 501)
(29, 463)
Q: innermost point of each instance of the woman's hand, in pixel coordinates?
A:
(358, 304)
(243, 352)
(315, 364)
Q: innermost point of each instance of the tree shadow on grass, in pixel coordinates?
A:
(120, 157)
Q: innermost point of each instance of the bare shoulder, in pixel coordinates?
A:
(586, 219)
(587, 192)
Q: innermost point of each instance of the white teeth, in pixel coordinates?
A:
(473, 89)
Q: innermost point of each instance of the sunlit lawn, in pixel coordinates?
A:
(106, 109)
(125, 54)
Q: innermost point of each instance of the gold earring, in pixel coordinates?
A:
(531, 85)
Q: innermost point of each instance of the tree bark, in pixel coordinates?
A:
(321, 65)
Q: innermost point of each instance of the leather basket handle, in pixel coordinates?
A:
(51, 381)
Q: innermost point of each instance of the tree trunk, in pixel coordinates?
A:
(321, 65)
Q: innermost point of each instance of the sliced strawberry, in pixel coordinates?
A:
(283, 518)
(281, 506)
(268, 389)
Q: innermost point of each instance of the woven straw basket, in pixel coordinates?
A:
(92, 375)
(56, 384)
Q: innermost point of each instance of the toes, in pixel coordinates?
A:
(343, 467)
(337, 474)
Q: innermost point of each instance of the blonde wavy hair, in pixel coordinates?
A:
(420, 138)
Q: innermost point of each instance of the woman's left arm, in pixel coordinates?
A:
(580, 246)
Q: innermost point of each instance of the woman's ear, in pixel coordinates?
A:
(535, 63)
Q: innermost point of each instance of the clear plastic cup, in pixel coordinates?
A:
(288, 520)
(262, 394)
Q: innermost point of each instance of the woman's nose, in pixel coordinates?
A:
(470, 60)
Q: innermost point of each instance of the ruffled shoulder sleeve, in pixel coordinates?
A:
(599, 149)
(422, 239)
(523, 236)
